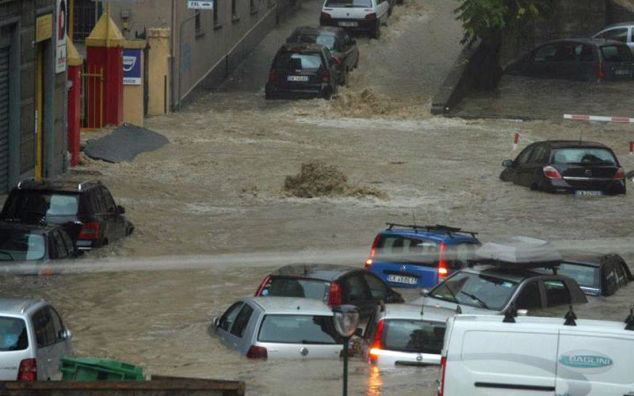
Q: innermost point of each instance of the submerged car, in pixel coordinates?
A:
(582, 168)
(331, 284)
(343, 49)
(301, 70)
(33, 339)
(356, 15)
(577, 59)
(597, 274)
(34, 243)
(279, 327)
(419, 256)
(406, 335)
(86, 210)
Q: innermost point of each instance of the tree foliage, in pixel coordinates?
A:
(487, 19)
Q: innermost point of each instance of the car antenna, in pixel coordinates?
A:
(570, 318)
(510, 314)
(629, 322)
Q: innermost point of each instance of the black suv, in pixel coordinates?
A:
(302, 70)
(86, 210)
(343, 49)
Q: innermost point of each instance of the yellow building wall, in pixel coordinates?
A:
(133, 94)
(158, 71)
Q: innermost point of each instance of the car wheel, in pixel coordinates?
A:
(376, 32)
(327, 94)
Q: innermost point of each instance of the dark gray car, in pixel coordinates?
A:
(577, 59)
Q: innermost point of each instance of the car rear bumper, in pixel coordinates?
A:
(361, 24)
(387, 358)
(273, 91)
(407, 276)
(569, 185)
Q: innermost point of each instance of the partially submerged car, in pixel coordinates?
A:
(27, 243)
(405, 335)
(578, 167)
(331, 284)
(623, 32)
(504, 277)
(577, 59)
(597, 274)
(279, 327)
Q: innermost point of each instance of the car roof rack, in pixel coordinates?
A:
(433, 228)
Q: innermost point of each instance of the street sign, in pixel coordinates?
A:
(200, 5)
(132, 66)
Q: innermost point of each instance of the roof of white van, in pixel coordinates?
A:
(539, 323)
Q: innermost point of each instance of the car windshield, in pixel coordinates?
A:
(585, 275)
(422, 251)
(616, 53)
(21, 245)
(295, 61)
(296, 287)
(298, 329)
(477, 290)
(413, 336)
(13, 336)
(583, 156)
(349, 3)
(36, 205)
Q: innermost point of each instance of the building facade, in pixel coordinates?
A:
(32, 91)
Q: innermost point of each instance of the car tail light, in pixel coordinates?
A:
(334, 296)
(551, 173)
(443, 369)
(324, 74)
(443, 271)
(371, 16)
(257, 352)
(89, 231)
(325, 15)
(368, 263)
(375, 244)
(27, 370)
(262, 286)
(620, 174)
(600, 72)
(272, 77)
(375, 348)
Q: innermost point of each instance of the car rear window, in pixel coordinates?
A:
(616, 53)
(583, 156)
(21, 245)
(349, 3)
(584, 275)
(413, 336)
(13, 335)
(481, 291)
(37, 204)
(296, 287)
(327, 40)
(422, 251)
(295, 61)
(298, 329)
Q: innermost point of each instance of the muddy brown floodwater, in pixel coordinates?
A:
(212, 220)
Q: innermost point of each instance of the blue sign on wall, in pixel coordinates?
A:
(132, 66)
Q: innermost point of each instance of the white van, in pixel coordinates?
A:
(483, 355)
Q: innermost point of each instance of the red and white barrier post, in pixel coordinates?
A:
(516, 140)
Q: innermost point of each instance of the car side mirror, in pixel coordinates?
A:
(120, 209)
(65, 334)
(215, 321)
(508, 163)
(424, 292)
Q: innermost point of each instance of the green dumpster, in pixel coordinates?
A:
(91, 369)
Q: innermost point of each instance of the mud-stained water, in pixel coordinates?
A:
(216, 190)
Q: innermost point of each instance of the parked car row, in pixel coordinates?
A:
(315, 61)
(52, 220)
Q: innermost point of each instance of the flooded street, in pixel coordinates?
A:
(212, 218)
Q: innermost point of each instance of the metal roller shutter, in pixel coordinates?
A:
(4, 118)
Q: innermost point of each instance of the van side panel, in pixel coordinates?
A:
(595, 364)
(499, 362)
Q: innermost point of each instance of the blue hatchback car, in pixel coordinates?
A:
(416, 256)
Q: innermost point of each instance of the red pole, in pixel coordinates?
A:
(516, 140)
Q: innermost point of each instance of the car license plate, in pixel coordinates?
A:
(348, 24)
(297, 78)
(586, 193)
(402, 279)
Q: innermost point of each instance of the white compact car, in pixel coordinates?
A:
(279, 327)
(530, 356)
(364, 15)
(406, 335)
(623, 32)
(33, 339)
